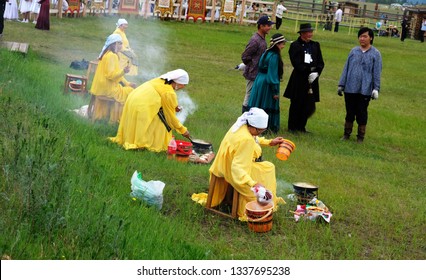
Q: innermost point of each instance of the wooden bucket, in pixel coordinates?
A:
(285, 149)
(259, 216)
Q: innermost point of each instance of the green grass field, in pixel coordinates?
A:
(64, 188)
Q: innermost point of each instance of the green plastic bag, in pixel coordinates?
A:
(150, 192)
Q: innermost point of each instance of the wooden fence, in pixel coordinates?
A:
(297, 10)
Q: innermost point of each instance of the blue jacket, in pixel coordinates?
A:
(362, 70)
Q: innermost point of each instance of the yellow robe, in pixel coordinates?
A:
(235, 162)
(140, 126)
(106, 82)
(125, 59)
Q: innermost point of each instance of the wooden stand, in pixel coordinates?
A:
(114, 108)
(83, 78)
(70, 78)
(231, 192)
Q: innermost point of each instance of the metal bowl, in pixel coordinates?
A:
(305, 191)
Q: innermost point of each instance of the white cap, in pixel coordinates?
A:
(178, 76)
(255, 117)
(113, 38)
(121, 21)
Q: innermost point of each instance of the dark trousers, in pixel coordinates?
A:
(336, 26)
(2, 8)
(299, 112)
(278, 22)
(403, 34)
(356, 108)
(422, 36)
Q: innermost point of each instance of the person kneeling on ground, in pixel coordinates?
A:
(239, 161)
(149, 114)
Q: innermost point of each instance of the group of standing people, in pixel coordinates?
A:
(360, 79)
(265, 68)
(38, 9)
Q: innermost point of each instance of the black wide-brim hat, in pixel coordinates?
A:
(305, 27)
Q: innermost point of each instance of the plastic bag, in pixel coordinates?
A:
(150, 192)
(263, 195)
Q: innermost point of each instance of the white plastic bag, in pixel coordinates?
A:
(150, 192)
(263, 195)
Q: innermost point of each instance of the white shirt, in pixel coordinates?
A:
(338, 15)
(280, 10)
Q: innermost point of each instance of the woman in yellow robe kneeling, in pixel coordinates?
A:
(109, 80)
(149, 114)
(239, 161)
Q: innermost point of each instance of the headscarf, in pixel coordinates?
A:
(121, 21)
(113, 38)
(255, 117)
(178, 76)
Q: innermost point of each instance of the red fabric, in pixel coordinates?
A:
(43, 21)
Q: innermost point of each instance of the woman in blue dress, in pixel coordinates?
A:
(266, 87)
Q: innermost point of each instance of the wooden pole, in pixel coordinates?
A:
(243, 10)
(84, 7)
(213, 11)
(59, 15)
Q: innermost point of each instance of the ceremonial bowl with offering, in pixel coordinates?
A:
(305, 191)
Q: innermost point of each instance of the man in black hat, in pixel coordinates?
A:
(303, 87)
(252, 53)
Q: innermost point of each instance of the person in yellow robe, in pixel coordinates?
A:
(109, 80)
(127, 56)
(149, 114)
(239, 161)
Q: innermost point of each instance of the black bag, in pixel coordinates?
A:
(79, 65)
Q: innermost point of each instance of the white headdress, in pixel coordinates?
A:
(255, 117)
(113, 38)
(121, 21)
(178, 76)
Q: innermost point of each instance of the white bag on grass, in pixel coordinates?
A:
(150, 192)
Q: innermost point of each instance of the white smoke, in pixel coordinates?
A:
(188, 106)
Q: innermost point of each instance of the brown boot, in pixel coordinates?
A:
(361, 133)
(347, 131)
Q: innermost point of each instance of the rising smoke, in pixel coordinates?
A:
(188, 106)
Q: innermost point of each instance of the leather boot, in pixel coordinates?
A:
(361, 133)
(347, 131)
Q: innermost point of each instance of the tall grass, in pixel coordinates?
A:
(65, 188)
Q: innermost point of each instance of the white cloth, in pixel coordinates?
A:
(338, 15)
(65, 5)
(312, 77)
(121, 21)
(255, 117)
(423, 28)
(280, 10)
(178, 76)
(113, 38)
(35, 7)
(11, 11)
(25, 6)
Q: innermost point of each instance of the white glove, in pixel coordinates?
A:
(312, 77)
(340, 91)
(374, 94)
